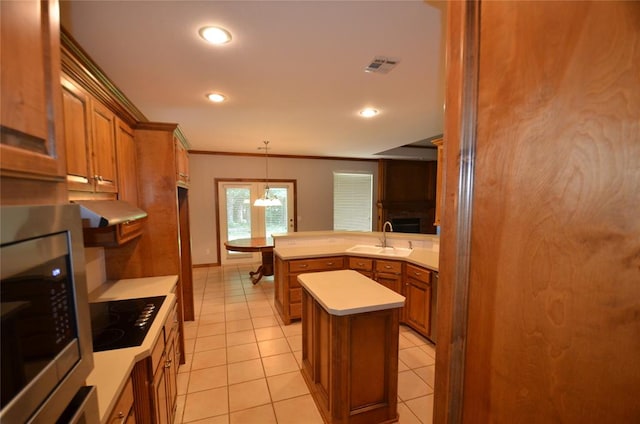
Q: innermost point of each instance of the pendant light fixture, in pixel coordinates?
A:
(267, 199)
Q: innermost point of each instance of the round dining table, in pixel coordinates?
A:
(264, 245)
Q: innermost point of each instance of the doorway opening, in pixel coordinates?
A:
(239, 218)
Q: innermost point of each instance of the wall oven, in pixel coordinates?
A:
(46, 328)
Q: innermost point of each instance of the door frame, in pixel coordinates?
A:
(461, 100)
(217, 182)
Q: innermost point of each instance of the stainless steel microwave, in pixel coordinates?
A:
(46, 328)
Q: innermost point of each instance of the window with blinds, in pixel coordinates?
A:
(352, 201)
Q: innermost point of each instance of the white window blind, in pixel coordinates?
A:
(352, 201)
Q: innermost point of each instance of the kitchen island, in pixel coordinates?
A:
(350, 331)
(408, 264)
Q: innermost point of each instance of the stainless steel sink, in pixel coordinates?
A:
(377, 250)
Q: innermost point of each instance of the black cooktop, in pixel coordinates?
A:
(118, 324)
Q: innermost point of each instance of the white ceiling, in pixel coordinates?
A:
(293, 73)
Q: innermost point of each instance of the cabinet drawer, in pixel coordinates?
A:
(320, 264)
(124, 404)
(295, 295)
(361, 264)
(391, 267)
(418, 273)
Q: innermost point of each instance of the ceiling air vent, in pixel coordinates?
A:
(382, 64)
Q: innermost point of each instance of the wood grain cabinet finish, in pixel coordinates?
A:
(90, 139)
(32, 156)
(409, 280)
(287, 298)
(182, 164)
(350, 363)
(124, 411)
(389, 274)
(363, 265)
(155, 377)
(126, 161)
(417, 290)
(164, 247)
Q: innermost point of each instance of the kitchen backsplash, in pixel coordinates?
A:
(95, 267)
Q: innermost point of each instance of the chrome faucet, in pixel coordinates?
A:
(384, 232)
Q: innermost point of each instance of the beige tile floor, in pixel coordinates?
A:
(243, 365)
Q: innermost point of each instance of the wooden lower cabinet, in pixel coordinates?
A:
(124, 411)
(350, 363)
(389, 274)
(155, 377)
(418, 299)
(288, 290)
(363, 265)
(411, 281)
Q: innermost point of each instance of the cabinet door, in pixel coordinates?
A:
(417, 309)
(171, 376)
(31, 137)
(127, 165)
(160, 396)
(104, 148)
(389, 274)
(182, 164)
(390, 281)
(123, 412)
(77, 131)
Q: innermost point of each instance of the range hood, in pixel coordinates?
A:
(104, 213)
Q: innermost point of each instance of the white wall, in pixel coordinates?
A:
(314, 190)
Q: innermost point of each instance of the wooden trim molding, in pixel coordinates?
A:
(271, 155)
(81, 68)
(458, 180)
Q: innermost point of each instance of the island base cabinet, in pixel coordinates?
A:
(350, 363)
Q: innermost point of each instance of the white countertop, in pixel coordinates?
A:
(347, 292)
(111, 368)
(422, 257)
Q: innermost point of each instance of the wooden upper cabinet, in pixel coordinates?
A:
(127, 179)
(127, 163)
(31, 105)
(90, 137)
(77, 131)
(104, 149)
(182, 164)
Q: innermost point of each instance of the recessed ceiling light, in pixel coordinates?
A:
(368, 112)
(215, 35)
(216, 97)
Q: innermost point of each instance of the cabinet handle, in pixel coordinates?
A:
(360, 264)
(304, 266)
(121, 417)
(167, 364)
(387, 267)
(330, 263)
(417, 274)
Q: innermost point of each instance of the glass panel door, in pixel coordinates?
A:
(239, 218)
(279, 219)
